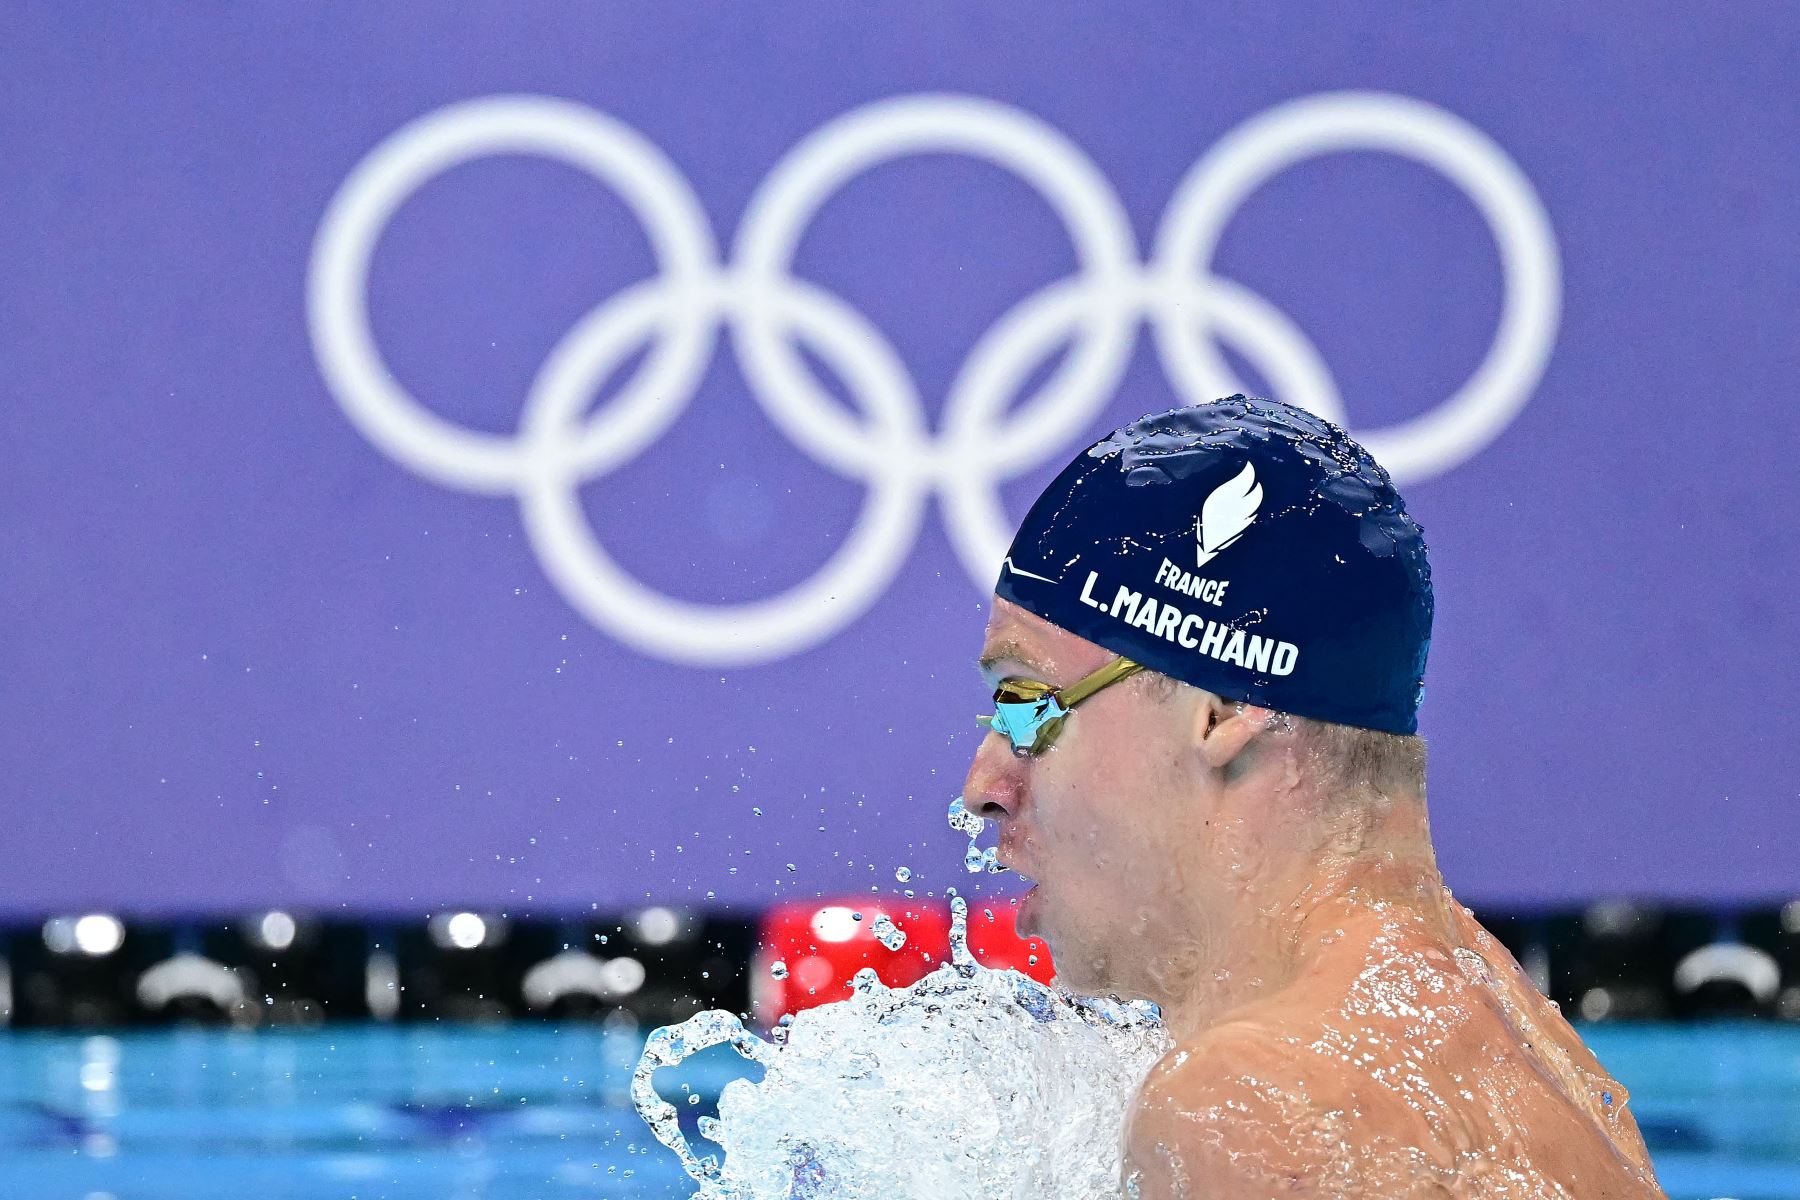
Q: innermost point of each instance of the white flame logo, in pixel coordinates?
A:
(1228, 512)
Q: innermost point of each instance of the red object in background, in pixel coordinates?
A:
(822, 945)
(996, 944)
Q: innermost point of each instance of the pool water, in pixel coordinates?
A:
(540, 1112)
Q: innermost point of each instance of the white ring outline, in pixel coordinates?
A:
(844, 148)
(337, 292)
(677, 630)
(1261, 147)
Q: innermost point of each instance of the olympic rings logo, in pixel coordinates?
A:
(1096, 312)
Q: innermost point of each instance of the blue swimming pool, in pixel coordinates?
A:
(539, 1112)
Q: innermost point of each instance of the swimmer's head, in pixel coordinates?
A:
(1246, 547)
(1255, 554)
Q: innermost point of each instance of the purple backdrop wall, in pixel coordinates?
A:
(262, 647)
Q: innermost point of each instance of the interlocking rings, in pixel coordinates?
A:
(773, 315)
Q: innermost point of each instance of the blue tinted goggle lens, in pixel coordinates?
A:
(1023, 720)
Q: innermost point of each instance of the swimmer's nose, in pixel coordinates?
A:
(994, 787)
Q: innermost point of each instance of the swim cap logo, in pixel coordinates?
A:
(1007, 564)
(1227, 513)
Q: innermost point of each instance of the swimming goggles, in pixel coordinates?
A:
(1030, 714)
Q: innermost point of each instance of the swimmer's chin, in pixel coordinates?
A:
(1026, 921)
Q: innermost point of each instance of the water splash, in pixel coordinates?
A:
(969, 1085)
(976, 859)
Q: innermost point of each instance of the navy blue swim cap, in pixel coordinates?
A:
(1245, 546)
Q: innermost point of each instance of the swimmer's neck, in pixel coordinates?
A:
(1381, 867)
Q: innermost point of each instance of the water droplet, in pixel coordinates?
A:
(888, 933)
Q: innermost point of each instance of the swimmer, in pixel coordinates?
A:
(1233, 826)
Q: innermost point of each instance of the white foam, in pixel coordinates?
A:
(969, 1085)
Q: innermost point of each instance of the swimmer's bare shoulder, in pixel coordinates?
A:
(1384, 1071)
(1230, 1116)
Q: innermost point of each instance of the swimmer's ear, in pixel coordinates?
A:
(1222, 728)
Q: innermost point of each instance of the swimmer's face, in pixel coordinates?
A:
(1094, 819)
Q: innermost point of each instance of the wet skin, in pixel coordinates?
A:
(1343, 1028)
